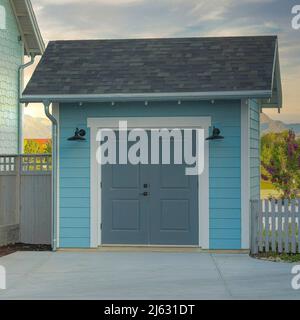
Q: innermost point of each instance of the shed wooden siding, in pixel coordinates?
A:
(254, 150)
(225, 166)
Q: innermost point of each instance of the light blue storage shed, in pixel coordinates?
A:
(204, 83)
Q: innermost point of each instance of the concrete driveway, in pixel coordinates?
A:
(144, 275)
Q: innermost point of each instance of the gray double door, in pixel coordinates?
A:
(149, 205)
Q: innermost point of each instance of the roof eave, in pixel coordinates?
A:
(37, 30)
(275, 101)
(39, 48)
(190, 96)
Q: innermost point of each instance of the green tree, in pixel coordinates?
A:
(280, 162)
(48, 147)
(32, 147)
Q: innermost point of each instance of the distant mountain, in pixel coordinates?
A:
(269, 125)
(36, 128)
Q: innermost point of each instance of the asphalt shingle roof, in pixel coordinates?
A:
(155, 66)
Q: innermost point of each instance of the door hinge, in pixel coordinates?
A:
(101, 185)
(101, 226)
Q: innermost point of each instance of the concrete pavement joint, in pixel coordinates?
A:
(221, 276)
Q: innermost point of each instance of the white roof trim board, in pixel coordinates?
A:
(147, 96)
(276, 99)
(28, 26)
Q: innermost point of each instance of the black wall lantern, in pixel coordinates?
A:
(79, 135)
(215, 135)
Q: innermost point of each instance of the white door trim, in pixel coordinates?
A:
(147, 122)
(245, 175)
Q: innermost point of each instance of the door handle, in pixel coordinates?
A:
(145, 194)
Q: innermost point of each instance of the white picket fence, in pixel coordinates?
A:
(275, 226)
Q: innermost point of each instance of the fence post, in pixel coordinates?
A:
(254, 225)
(18, 188)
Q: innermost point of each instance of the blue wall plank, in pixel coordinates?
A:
(225, 162)
(225, 244)
(74, 242)
(224, 203)
(74, 202)
(224, 183)
(225, 173)
(74, 182)
(75, 213)
(79, 172)
(71, 153)
(222, 213)
(225, 233)
(76, 163)
(74, 222)
(75, 192)
(74, 232)
(228, 193)
(219, 151)
(225, 223)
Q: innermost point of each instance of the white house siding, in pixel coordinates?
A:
(11, 53)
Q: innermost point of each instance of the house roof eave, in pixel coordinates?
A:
(188, 96)
(28, 27)
(276, 100)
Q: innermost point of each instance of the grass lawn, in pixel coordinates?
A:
(269, 193)
(266, 185)
(279, 257)
(268, 190)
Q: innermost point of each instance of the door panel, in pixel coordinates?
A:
(174, 206)
(174, 215)
(170, 179)
(125, 177)
(124, 211)
(125, 215)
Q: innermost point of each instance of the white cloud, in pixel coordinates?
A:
(209, 10)
(87, 2)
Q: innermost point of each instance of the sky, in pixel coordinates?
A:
(111, 19)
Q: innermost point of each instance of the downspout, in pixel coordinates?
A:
(20, 109)
(54, 174)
